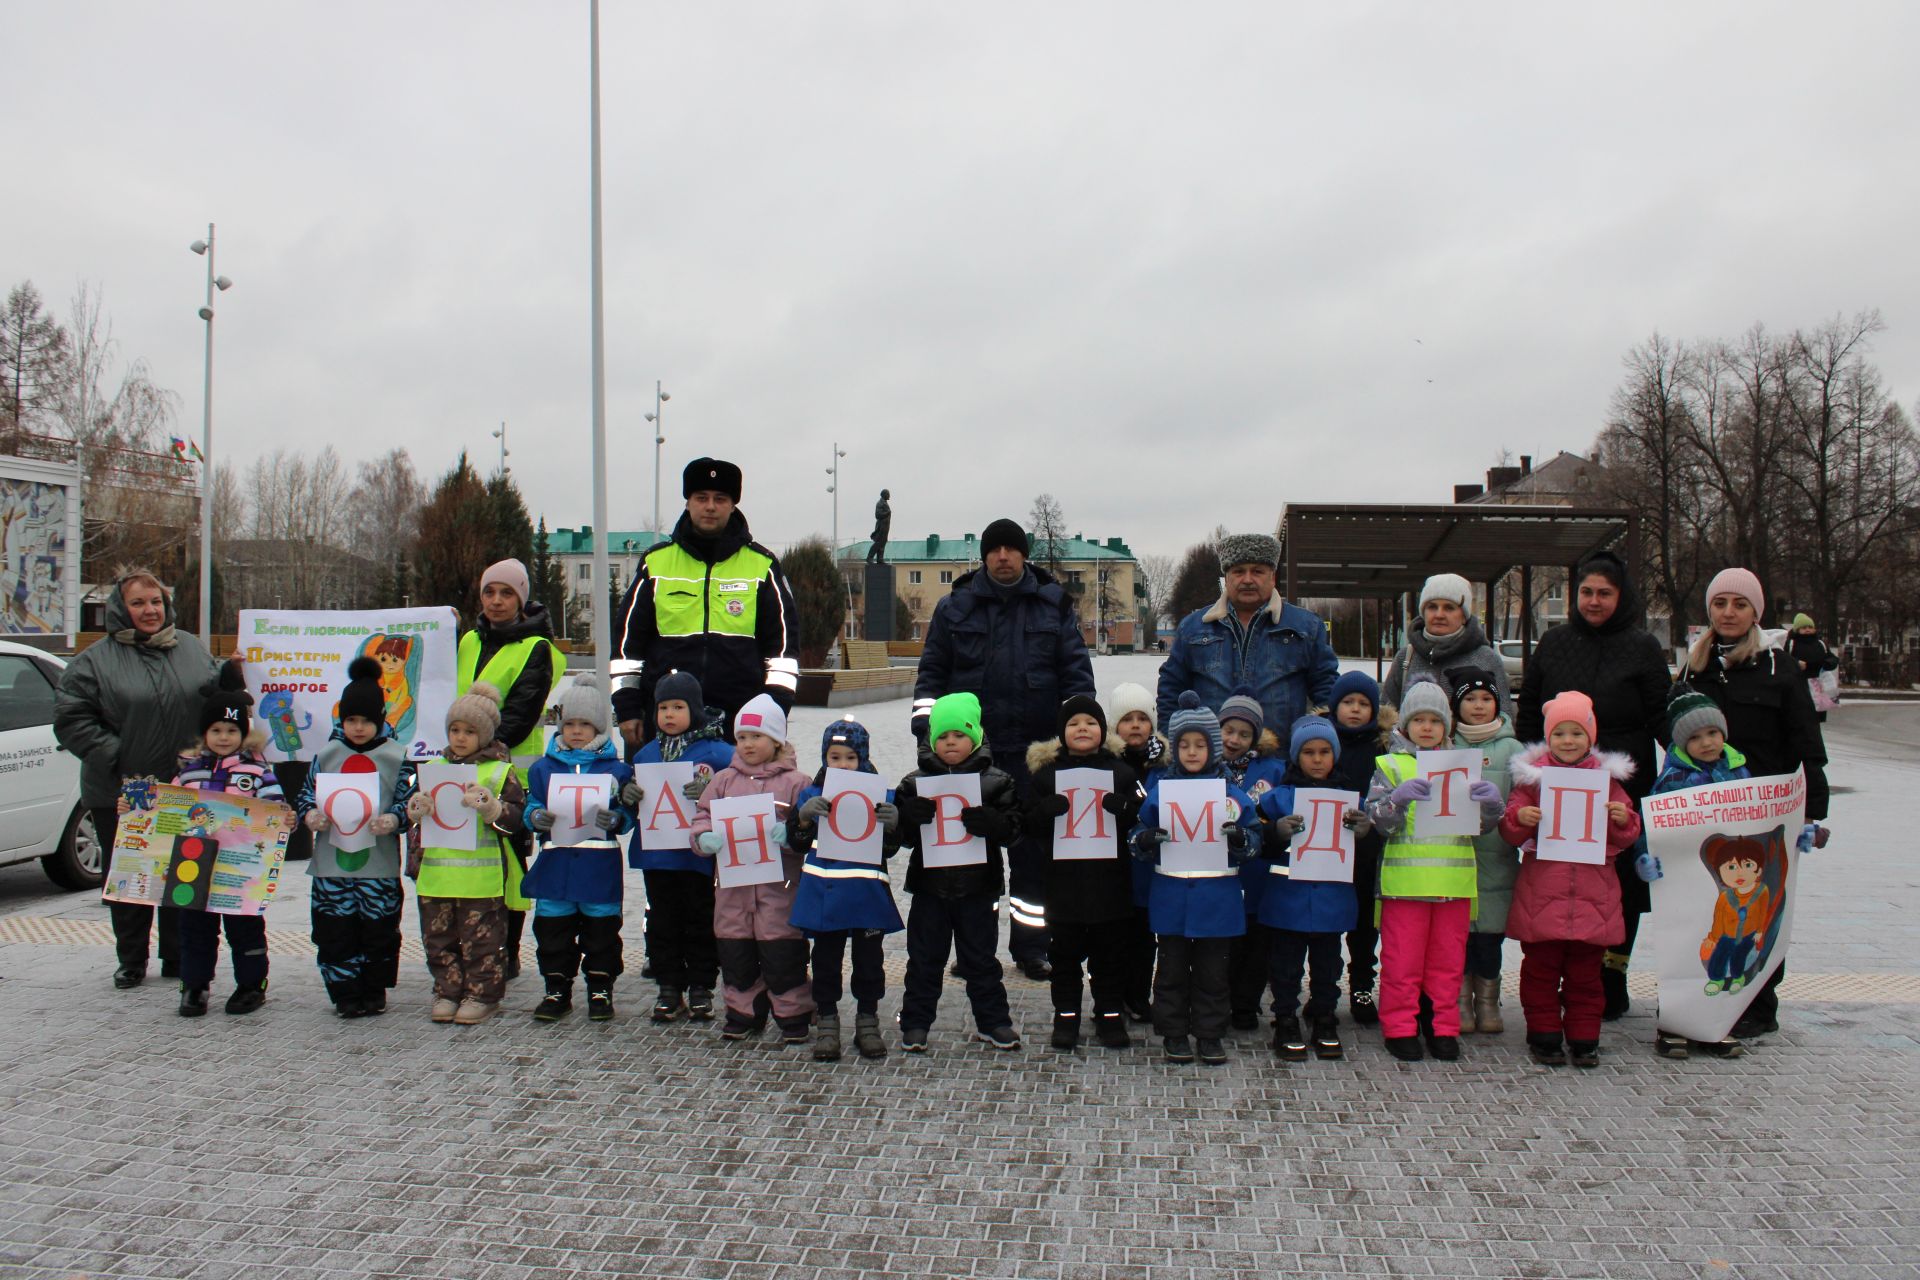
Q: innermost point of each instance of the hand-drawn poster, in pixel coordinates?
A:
(182, 847)
(296, 663)
(1723, 907)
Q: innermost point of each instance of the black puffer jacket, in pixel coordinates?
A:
(1084, 890)
(522, 706)
(1017, 648)
(996, 793)
(1770, 718)
(1618, 664)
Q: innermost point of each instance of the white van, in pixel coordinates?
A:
(40, 811)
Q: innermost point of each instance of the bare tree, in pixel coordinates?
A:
(1652, 464)
(383, 510)
(108, 411)
(1159, 571)
(1047, 530)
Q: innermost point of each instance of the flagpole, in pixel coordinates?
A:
(602, 605)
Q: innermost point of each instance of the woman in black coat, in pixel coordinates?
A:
(1605, 651)
(1810, 653)
(1770, 718)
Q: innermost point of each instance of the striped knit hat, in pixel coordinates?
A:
(1195, 717)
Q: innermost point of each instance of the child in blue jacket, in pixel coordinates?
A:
(1307, 918)
(1196, 914)
(1254, 764)
(1699, 754)
(841, 903)
(576, 920)
(679, 919)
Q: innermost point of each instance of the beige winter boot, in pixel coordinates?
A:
(1466, 1004)
(1486, 1006)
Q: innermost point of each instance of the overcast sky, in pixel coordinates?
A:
(1177, 265)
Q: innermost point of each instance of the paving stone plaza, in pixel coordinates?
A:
(291, 1144)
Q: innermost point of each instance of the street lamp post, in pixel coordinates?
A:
(660, 399)
(834, 489)
(602, 612)
(205, 249)
(501, 436)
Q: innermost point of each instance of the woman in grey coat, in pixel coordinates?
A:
(1447, 635)
(126, 708)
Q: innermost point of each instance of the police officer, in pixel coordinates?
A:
(710, 601)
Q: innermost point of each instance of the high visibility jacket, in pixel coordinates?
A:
(718, 608)
(502, 672)
(473, 873)
(1436, 867)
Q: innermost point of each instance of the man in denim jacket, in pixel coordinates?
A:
(1252, 637)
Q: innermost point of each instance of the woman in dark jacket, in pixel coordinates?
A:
(1811, 654)
(126, 708)
(1605, 651)
(1770, 718)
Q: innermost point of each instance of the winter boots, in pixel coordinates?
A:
(826, 1038)
(1289, 1045)
(1366, 1013)
(193, 1002)
(1486, 1007)
(1326, 1038)
(558, 1002)
(1547, 1050)
(600, 996)
(1066, 1032)
(668, 1006)
(247, 999)
(1613, 984)
(1111, 1029)
(866, 1036)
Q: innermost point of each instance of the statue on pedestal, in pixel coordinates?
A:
(882, 522)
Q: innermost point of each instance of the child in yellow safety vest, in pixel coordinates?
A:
(1427, 884)
(463, 909)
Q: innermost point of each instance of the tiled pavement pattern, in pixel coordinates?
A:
(288, 1144)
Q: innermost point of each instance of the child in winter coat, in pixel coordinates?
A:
(1365, 728)
(1305, 918)
(1145, 750)
(1699, 754)
(842, 904)
(1253, 763)
(679, 919)
(1090, 900)
(1427, 884)
(1479, 724)
(763, 957)
(953, 906)
(226, 760)
(578, 887)
(356, 893)
(1566, 914)
(1195, 913)
(462, 892)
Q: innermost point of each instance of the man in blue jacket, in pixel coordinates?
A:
(1009, 636)
(1252, 637)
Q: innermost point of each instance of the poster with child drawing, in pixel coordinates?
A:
(208, 850)
(296, 662)
(1723, 909)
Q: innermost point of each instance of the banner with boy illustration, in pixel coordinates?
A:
(1723, 909)
(208, 850)
(296, 664)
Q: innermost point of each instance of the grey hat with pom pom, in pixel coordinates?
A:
(479, 709)
(585, 700)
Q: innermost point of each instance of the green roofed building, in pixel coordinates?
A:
(1104, 578)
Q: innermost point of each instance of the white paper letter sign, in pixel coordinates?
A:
(348, 800)
(665, 814)
(1450, 811)
(449, 824)
(850, 832)
(1086, 829)
(750, 856)
(574, 799)
(1324, 850)
(1573, 816)
(1194, 812)
(944, 842)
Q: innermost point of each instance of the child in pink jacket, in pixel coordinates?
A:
(1565, 914)
(763, 958)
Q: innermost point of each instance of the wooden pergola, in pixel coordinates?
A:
(1380, 551)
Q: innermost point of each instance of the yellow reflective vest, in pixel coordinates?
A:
(1436, 867)
(490, 871)
(503, 670)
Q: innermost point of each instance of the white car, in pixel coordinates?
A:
(1512, 656)
(40, 811)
